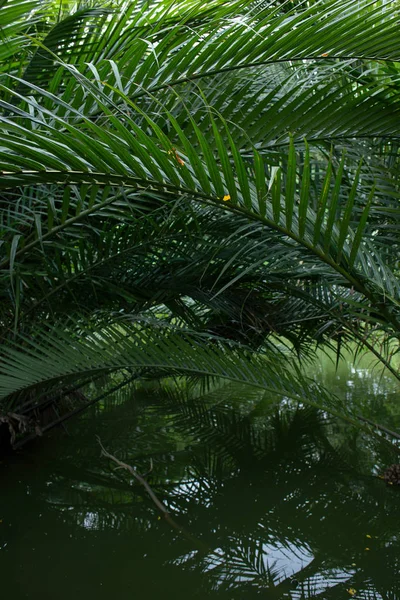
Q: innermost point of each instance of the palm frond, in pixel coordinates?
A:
(55, 356)
(227, 169)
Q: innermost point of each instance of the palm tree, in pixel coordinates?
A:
(201, 188)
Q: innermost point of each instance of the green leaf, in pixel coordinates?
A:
(333, 205)
(361, 229)
(261, 186)
(345, 221)
(290, 184)
(304, 192)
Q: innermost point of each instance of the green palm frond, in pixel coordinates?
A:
(55, 356)
(281, 204)
(14, 25)
(66, 39)
(230, 169)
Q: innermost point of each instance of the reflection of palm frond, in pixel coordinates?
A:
(245, 563)
(264, 500)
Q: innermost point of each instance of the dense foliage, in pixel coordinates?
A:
(197, 188)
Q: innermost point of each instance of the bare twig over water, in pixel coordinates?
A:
(137, 476)
(161, 507)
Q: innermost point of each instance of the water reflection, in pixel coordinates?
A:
(271, 500)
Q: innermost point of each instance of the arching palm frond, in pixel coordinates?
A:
(55, 358)
(231, 169)
(283, 205)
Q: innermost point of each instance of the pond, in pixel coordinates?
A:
(267, 499)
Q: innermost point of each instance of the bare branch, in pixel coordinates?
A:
(137, 476)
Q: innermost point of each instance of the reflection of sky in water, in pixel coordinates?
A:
(279, 563)
(324, 580)
(91, 521)
(288, 561)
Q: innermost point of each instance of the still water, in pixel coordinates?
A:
(267, 499)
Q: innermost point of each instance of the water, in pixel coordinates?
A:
(267, 499)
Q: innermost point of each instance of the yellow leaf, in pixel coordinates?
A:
(226, 198)
(174, 153)
(369, 536)
(368, 548)
(352, 591)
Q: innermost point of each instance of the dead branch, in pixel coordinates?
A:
(161, 507)
(393, 434)
(137, 476)
(16, 424)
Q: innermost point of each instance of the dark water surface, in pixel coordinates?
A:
(268, 500)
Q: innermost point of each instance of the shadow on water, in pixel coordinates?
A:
(279, 500)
